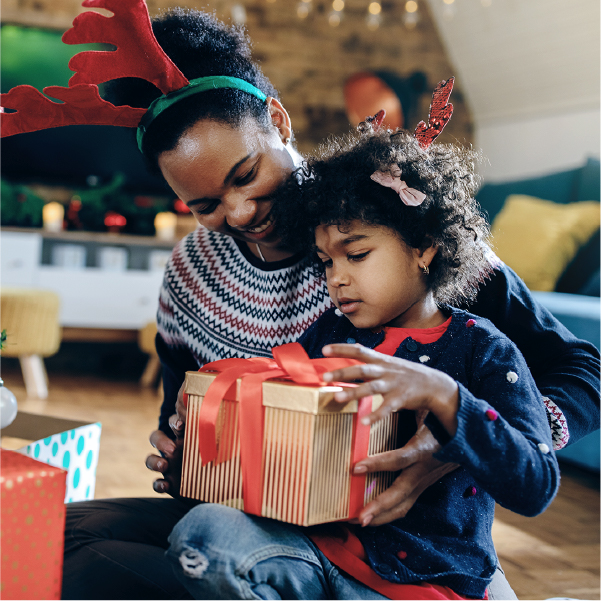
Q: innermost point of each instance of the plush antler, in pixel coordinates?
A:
(82, 104)
(440, 113)
(138, 54)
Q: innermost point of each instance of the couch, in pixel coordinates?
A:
(570, 288)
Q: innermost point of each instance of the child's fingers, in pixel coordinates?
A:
(352, 351)
(354, 372)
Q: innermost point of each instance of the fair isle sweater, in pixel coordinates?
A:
(502, 445)
(219, 301)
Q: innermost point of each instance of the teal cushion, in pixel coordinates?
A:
(558, 187)
(588, 187)
(579, 275)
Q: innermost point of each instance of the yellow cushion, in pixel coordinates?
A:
(538, 238)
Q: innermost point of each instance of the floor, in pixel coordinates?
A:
(553, 555)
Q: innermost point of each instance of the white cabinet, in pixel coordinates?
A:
(91, 296)
(21, 254)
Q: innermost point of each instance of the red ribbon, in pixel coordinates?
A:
(291, 363)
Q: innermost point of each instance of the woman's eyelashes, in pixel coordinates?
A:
(247, 177)
(206, 209)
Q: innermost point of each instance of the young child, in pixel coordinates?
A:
(401, 239)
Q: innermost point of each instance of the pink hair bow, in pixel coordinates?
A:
(392, 179)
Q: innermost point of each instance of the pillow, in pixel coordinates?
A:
(582, 269)
(538, 238)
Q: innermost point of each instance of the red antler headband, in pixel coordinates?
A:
(439, 115)
(138, 54)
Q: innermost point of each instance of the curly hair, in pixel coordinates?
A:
(200, 45)
(334, 188)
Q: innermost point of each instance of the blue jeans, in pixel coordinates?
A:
(221, 553)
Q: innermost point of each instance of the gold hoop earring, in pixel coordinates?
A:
(426, 270)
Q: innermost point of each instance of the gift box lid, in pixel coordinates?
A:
(15, 465)
(283, 394)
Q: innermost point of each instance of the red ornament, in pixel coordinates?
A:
(114, 221)
(470, 322)
(402, 554)
(180, 206)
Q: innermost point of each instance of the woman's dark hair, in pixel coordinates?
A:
(335, 188)
(200, 45)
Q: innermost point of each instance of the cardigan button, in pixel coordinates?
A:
(385, 568)
(412, 346)
(350, 341)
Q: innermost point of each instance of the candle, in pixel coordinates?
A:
(164, 225)
(53, 215)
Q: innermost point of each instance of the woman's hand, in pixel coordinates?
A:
(404, 385)
(169, 461)
(420, 470)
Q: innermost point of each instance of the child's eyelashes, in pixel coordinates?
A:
(355, 258)
(358, 257)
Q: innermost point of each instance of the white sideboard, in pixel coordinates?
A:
(116, 288)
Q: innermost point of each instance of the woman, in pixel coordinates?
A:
(231, 289)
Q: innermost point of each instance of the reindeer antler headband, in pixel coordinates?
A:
(438, 117)
(138, 54)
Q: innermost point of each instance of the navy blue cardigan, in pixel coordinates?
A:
(505, 455)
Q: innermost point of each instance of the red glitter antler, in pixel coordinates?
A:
(440, 113)
(138, 54)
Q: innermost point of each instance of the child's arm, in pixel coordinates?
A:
(503, 453)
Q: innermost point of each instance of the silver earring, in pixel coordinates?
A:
(286, 141)
(426, 270)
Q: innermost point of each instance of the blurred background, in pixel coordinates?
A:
(81, 218)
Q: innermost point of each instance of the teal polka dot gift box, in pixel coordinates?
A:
(64, 443)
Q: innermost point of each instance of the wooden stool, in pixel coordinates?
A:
(30, 318)
(146, 338)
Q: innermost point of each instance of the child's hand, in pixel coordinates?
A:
(403, 384)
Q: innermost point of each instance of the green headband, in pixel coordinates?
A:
(202, 84)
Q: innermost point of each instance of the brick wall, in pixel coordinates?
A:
(307, 59)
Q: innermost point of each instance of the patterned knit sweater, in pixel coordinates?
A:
(219, 301)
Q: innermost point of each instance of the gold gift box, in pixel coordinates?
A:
(306, 454)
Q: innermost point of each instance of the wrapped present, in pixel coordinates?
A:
(33, 524)
(267, 437)
(65, 443)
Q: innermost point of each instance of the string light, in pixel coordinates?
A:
(448, 9)
(334, 18)
(303, 9)
(238, 13)
(411, 17)
(338, 5)
(375, 8)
